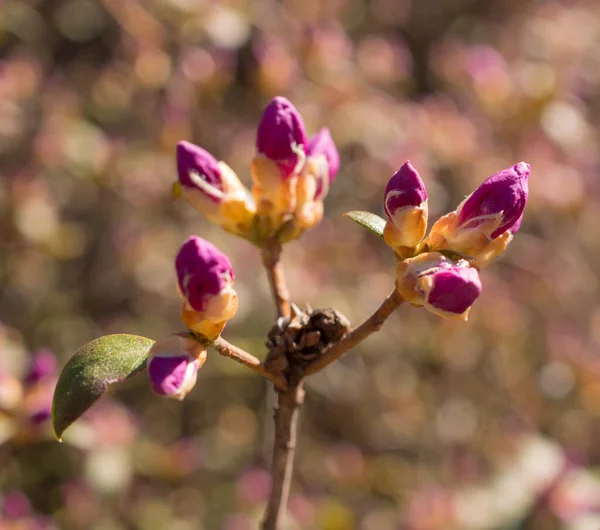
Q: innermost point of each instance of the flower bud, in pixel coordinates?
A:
(484, 223)
(173, 363)
(498, 204)
(323, 151)
(405, 204)
(443, 287)
(214, 189)
(198, 169)
(205, 281)
(281, 136)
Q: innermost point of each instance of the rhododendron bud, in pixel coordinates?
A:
(205, 281)
(405, 204)
(214, 189)
(281, 136)
(322, 150)
(173, 363)
(484, 223)
(442, 286)
(198, 169)
(498, 204)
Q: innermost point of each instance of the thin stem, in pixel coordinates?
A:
(357, 335)
(282, 466)
(226, 349)
(271, 260)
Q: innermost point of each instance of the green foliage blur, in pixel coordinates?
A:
(430, 424)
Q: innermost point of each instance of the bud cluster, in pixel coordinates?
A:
(291, 175)
(477, 232)
(205, 283)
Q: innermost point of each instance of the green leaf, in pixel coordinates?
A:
(88, 374)
(370, 221)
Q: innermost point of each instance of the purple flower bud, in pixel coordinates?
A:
(173, 364)
(281, 136)
(454, 289)
(43, 365)
(445, 288)
(405, 188)
(197, 168)
(203, 271)
(503, 194)
(168, 374)
(322, 144)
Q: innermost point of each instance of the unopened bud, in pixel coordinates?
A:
(173, 364)
(281, 136)
(484, 223)
(205, 281)
(498, 204)
(323, 151)
(198, 169)
(442, 286)
(405, 204)
(214, 189)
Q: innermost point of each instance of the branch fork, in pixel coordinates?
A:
(300, 344)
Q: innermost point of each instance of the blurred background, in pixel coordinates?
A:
(430, 424)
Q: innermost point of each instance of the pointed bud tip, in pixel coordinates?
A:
(522, 169)
(197, 168)
(405, 188)
(281, 136)
(503, 195)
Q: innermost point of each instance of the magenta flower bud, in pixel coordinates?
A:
(405, 188)
(322, 145)
(405, 205)
(198, 169)
(502, 196)
(43, 366)
(168, 374)
(203, 272)
(454, 289)
(173, 364)
(281, 136)
(443, 287)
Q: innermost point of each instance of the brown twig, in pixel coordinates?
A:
(226, 349)
(271, 260)
(357, 335)
(284, 445)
